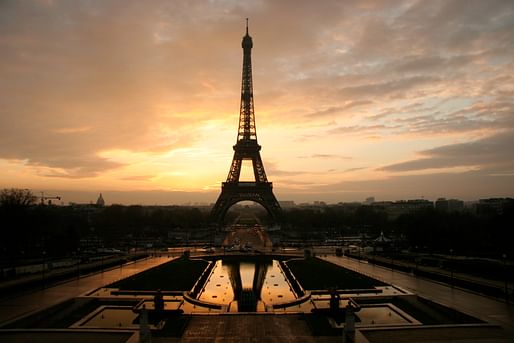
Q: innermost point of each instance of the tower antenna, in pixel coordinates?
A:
(247, 26)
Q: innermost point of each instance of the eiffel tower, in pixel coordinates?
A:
(246, 148)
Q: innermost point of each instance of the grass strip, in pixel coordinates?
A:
(315, 274)
(177, 275)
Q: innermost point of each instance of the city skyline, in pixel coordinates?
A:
(396, 100)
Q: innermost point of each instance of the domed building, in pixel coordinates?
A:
(100, 202)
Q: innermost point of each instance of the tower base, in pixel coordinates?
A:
(234, 192)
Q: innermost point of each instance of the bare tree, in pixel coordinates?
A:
(16, 197)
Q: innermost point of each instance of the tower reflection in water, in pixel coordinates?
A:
(247, 286)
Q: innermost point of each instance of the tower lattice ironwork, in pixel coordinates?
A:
(246, 148)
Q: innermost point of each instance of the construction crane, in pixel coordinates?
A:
(49, 198)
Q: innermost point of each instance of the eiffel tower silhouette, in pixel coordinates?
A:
(246, 148)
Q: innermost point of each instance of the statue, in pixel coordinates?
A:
(158, 301)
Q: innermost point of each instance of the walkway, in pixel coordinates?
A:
(255, 238)
(17, 306)
(488, 309)
(459, 277)
(31, 281)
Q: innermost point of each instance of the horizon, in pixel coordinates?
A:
(397, 100)
(162, 198)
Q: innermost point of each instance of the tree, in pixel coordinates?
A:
(15, 220)
(16, 197)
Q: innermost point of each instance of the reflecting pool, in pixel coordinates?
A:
(247, 286)
(382, 314)
(111, 318)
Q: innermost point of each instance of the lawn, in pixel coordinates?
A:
(177, 275)
(316, 274)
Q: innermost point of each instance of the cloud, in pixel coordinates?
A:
(362, 129)
(82, 78)
(272, 169)
(470, 185)
(349, 170)
(393, 88)
(336, 110)
(73, 130)
(494, 151)
(327, 156)
(431, 64)
(78, 82)
(138, 177)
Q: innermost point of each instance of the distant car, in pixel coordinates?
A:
(109, 251)
(233, 248)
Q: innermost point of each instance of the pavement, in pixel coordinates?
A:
(500, 284)
(17, 306)
(248, 328)
(488, 309)
(256, 237)
(290, 328)
(6, 286)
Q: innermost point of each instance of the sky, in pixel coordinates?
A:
(139, 100)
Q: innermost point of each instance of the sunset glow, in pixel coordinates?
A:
(392, 99)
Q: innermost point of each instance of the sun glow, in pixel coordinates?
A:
(342, 102)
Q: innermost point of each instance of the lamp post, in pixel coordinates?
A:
(78, 263)
(43, 269)
(451, 266)
(416, 260)
(393, 249)
(506, 277)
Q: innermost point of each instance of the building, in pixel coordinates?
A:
(398, 208)
(449, 205)
(100, 202)
(287, 203)
(369, 200)
(494, 205)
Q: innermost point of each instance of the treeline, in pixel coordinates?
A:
(436, 231)
(117, 220)
(336, 219)
(28, 229)
(57, 230)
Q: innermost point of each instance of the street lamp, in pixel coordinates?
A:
(43, 269)
(78, 263)
(416, 260)
(393, 249)
(451, 266)
(506, 276)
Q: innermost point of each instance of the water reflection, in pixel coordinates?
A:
(276, 288)
(247, 286)
(218, 288)
(246, 272)
(112, 317)
(381, 315)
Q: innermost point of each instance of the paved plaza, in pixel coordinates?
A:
(277, 327)
(488, 309)
(20, 305)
